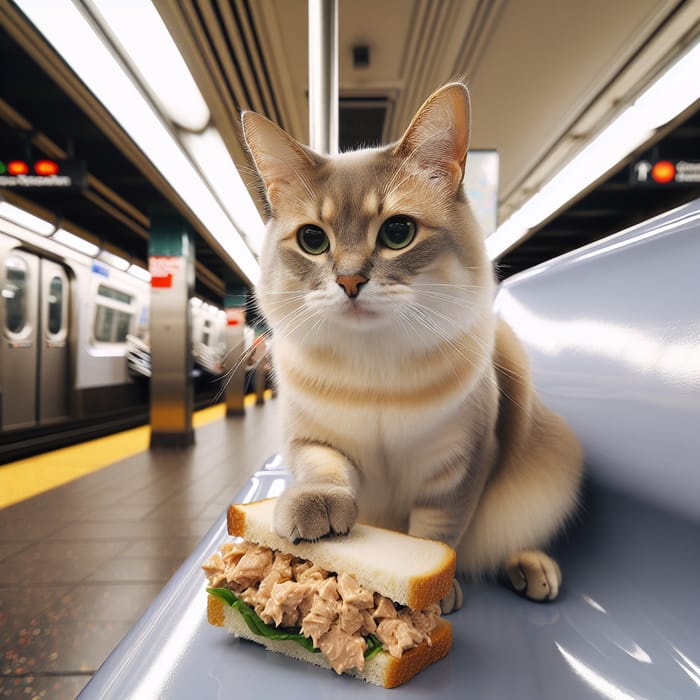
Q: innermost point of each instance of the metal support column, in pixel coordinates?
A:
(235, 362)
(171, 263)
(323, 76)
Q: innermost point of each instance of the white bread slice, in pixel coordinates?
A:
(409, 570)
(382, 669)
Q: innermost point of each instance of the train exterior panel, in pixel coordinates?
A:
(111, 305)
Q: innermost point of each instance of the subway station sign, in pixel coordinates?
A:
(665, 172)
(23, 174)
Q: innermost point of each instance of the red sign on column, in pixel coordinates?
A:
(235, 316)
(162, 269)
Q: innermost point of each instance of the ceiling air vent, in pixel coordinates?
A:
(362, 121)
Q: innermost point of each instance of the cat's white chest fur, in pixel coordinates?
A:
(397, 429)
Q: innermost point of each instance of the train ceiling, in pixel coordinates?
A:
(545, 75)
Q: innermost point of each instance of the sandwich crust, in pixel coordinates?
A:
(415, 660)
(235, 521)
(431, 587)
(215, 611)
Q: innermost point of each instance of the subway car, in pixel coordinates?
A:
(74, 359)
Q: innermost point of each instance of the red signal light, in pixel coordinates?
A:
(17, 167)
(664, 171)
(46, 167)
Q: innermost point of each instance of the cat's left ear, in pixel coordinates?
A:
(438, 138)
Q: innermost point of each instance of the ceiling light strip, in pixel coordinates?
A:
(217, 167)
(146, 42)
(25, 219)
(67, 29)
(78, 243)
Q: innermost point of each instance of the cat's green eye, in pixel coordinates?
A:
(312, 239)
(397, 232)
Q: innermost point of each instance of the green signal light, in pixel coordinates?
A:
(3, 168)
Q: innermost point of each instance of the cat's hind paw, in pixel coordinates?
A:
(309, 512)
(452, 602)
(534, 574)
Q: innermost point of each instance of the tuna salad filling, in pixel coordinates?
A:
(343, 620)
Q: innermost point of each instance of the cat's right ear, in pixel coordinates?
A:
(437, 140)
(278, 158)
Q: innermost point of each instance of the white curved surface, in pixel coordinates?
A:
(613, 335)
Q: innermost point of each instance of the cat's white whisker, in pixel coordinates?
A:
(312, 329)
(466, 353)
(227, 377)
(449, 298)
(417, 321)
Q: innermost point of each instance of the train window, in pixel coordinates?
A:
(113, 314)
(55, 305)
(111, 325)
(15, 294)
(206, 332)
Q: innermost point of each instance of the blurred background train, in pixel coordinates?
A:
(75, 358)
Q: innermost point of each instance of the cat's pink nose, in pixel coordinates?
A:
(351, 284)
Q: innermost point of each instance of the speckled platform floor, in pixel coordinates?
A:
(79, 564)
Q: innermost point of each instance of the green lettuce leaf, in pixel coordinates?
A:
(262, 629)
(256, 625)
(374, 646)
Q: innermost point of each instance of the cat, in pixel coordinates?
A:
(406, 402)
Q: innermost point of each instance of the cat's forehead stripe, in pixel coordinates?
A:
(370, 205)
(328, 209)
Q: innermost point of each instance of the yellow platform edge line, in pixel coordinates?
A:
(29, 477)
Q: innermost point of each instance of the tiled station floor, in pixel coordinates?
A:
(81, 562)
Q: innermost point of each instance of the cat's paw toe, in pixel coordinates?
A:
(534, 574)
(311, 512)
(453, 600)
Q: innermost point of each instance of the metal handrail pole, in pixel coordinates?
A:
(323, 76)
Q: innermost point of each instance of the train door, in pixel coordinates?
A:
(52, 399)
(19, 357)
(35, 375)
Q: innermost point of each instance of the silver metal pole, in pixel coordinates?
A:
(323, 76)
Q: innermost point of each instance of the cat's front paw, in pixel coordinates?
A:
(309, 512)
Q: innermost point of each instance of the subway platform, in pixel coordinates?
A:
(80, 563)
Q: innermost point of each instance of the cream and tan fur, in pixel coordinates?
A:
(406, 402)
